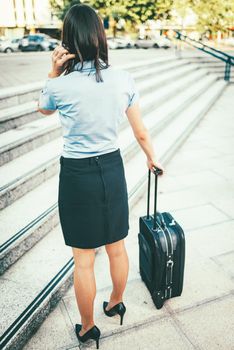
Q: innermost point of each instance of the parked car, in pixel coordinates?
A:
(54, 43)
(119, 42)
(159, 42)
(9, 45)
(162, 42)
(35, 42)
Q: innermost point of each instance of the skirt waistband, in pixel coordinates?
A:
(89, 160)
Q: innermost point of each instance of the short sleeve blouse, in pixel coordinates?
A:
(89, 111)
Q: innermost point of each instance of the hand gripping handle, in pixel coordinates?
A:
(157, 172)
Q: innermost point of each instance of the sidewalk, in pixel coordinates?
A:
(198, 189)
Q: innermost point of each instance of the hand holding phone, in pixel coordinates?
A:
(60, 57)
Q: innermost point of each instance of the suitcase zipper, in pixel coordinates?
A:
(170, 263)
(169, 235)
(165, 239)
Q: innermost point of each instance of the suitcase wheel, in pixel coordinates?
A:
(158, 299)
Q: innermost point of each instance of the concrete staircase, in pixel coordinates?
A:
(36, 266)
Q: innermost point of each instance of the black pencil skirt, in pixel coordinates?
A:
(93, 200)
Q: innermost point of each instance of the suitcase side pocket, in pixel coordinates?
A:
(145, 261)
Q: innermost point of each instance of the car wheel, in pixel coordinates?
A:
(136, 46)
(39, 48)
(8, 50)
(156, 46)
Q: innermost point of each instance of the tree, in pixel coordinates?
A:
(135, 11)
(213, 15)
(62, 6)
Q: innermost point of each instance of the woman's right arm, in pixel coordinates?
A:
(142, 135)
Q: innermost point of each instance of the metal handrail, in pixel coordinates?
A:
(223, 56)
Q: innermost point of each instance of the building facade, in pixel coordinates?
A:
(19, 17)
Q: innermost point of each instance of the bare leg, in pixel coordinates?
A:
(85, 285)
(119, 267)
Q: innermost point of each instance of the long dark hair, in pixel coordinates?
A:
(83, 34)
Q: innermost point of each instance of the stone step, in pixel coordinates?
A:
(13, 117)
(213, 65)
(211, 61)
(165, 77)
(157, 68)
(218, 70)
(27, 305)
(17, 95)
(21, 140)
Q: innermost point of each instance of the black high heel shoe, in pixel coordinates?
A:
(117, 309)
(93, 333)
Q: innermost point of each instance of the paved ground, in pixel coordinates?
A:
(198, 189)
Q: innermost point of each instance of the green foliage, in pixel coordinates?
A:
(62, 6)
(136, 11)
(212, 15)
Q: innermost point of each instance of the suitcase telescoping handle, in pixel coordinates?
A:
(157, 172)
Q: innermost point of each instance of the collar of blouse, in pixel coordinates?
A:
(87, 65)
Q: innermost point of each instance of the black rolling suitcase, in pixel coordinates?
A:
(161, 252)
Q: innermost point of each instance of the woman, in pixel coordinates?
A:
(91, 97)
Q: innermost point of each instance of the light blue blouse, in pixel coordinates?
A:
(90, 111)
